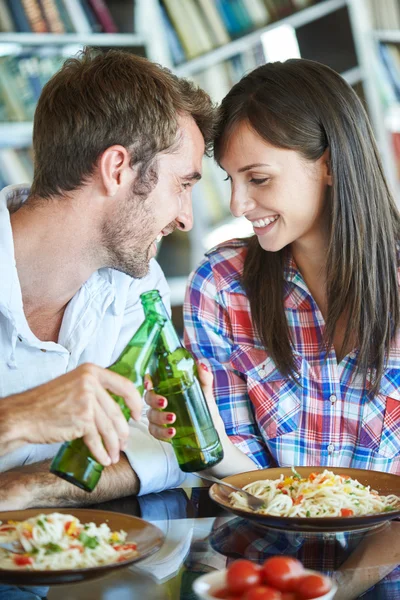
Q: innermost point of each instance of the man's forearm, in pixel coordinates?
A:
(34, 486)
(13, 413)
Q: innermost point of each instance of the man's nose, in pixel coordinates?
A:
(184, 220)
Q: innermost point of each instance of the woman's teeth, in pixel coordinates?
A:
(265, 222)
(159, 237)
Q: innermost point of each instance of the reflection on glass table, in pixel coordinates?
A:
(201, 537)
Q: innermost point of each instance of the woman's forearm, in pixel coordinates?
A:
(234, 461)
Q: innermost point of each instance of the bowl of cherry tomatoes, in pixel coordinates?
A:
(278, 578)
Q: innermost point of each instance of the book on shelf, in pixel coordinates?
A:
(213, 18)
(56, 16)
(52, 16)
(390, 57)
(34, 15)
(385, 14)
(103, 15)
(198, 26)
(19, 16)
(22, 78)
(78, 16)
(6, 20)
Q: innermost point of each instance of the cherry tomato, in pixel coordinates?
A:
(289, 596)
(262, 592)
(241, 575)
(22, 560)
(225, 594)
(27, 533)
(4, 528)
(67, 525)
(281, 572)
(312, 586)
(125, 547)
(346, 512)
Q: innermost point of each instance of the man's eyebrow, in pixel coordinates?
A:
(248, 167)
(194, 175)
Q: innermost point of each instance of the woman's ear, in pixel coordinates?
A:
(326, 157)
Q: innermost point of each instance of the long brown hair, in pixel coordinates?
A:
(97, 100)
(305, 106)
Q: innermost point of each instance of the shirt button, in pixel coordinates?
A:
(332, 398)
(331, 448)
(297, 375)
(43, 350)
(262, 373)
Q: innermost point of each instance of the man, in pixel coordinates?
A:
(118, 145)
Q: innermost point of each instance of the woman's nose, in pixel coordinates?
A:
(240, 202)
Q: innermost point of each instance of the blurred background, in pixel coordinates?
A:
(213, 42)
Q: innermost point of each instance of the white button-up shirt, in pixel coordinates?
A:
(98, 323)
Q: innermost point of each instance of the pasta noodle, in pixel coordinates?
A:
(319, 495)
(58, 541)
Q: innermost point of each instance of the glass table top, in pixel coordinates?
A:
(201, 537)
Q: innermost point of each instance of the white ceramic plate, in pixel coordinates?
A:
(206, 584)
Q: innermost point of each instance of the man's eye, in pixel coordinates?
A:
(259, 181)
(228, 178)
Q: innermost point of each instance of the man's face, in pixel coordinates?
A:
(132, 236)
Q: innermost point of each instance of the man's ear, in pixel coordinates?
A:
(114, 167)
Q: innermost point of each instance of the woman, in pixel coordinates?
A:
(299, 323)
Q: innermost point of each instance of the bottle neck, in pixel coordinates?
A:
(136, 356)
(169, 339)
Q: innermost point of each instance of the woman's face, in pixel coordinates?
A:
(277, 190)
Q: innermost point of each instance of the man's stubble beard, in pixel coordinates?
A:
(125, 240)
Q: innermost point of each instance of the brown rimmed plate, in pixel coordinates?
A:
(147, 537)
(383, 483)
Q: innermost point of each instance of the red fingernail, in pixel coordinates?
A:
(146, 384)
(161, 403)
(203, 366)
(170, 417)
(171, 431)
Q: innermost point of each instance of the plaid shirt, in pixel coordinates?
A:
(325, 417)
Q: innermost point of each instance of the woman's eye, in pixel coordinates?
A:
(186, 185)
(259, 181)
(228, 178)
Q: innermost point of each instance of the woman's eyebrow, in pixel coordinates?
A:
(247, 167)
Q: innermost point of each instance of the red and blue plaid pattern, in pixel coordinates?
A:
(324, 417)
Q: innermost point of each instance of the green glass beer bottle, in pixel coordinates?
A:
(174, 373)
(74, 462)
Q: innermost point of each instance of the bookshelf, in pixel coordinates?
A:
(297, 19)
(336, 32)
(381, 28)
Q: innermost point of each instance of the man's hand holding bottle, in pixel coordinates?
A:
(74, 405)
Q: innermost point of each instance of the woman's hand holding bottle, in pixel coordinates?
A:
(161, 421)
(161, 425)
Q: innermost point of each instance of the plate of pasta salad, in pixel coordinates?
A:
(314, 498)
(50, 546)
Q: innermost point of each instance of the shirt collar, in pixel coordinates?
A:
(11, 198)
(104, 280)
